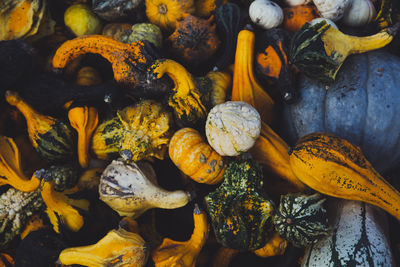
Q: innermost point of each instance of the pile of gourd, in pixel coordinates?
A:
(194, 132)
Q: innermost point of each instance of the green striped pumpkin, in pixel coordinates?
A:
(301, 219)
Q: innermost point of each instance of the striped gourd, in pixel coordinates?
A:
(51, 138)
(357, 239)
(301, 219)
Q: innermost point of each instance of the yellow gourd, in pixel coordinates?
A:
(183, 254)
(334, 167)
(275, 246)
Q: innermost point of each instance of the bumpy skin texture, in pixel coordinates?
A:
(357, 239)
(301, 218)
(15, 209)
(240, 211)
(361, 106)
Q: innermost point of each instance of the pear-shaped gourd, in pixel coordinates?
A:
(117, 248)
(131, 189)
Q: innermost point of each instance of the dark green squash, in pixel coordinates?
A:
(239, 209)
(301, 219)
(361, 106)
(229, 22)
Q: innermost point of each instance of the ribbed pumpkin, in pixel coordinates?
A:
(196, 158)
(301, 219)
(232, 127)
(361, 106)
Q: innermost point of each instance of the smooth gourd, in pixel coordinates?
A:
(359, 13)
(266, 14)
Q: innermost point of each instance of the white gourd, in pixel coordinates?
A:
(359, 13)
(131, 189)
(265, 14)
(232, 127)
(297, 2)
(332, 9)
(357, 239)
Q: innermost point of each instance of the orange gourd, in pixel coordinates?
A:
(195, 158)
(245, 87)
(296, 16)
(275, 246)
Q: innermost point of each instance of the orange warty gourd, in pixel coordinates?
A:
(245, 87)
(195, 158)
(333, 166)
(296, 16)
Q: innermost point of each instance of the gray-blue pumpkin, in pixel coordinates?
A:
(362, 106)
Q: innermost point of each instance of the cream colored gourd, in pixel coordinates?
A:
(359, 13)
(266, 14)
(131, 189)
(232, 127)
(332, 9)
(297, 2)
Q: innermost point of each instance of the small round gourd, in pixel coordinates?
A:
(232, 127)
(301, 219)
(359, 13)
(266, 14)
(81, 20)
(332, 9)
(145, 31)
(297, 2)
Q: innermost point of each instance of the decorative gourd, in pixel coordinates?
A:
(214, 87)
(165, 13)
(117, 10)
(357, 239)
(330, 47)
(194, 40)
(272, 47)
(185, 97)
(16, 207)
(359, 13)
(228, 20)
(196, 158)
(51, 138)
(183, 254)
(127, 60)
(20, 18)
(81, 20)
(145, 31)
(6, 259)
(360, 106)
(275, 246)
(296, 2)
(334, 167)
(62, 210)
(239, 209)
(10, 167)
(88, 76)
(64, 176)
(117, 248)
(296, 16)
(34, 223)
(204, 8)
(117, 31)
(333, 9)
(84, 120)
(137, 132)
(245, 87)
(232, 128)
(130, 191)
(265, 14)
(301, 219)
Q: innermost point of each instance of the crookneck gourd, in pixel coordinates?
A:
(51, 138)
(232, 127)
(241, 213)
(127, 60)
(333, 166)
(131, 189)
(271, 61)
(10, 167)
(194, 40)
(319, 50)
(185, 96)
(183, 254)
(195, 158)
(84, 120)
(245, 87)
(301, 219)
(117, 248)
(137, 132)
